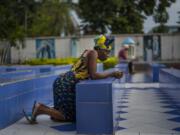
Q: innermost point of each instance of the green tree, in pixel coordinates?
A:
(127, 19)
(11, 29)
(161, 15)
(24, 18)
(15, 21)
(120, 16)
(51, 19)
(160, 29)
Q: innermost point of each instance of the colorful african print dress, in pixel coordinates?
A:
(64, 88)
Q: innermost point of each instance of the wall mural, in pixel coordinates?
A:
(152, 47)
(45, 48)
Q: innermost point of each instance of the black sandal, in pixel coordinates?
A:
(32, 119)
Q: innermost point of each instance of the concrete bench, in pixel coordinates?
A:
(94, 107)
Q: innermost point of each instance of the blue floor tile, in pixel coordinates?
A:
(126, 94)
(173, 112)
(161, 95)
(177, 129)
(177, 119)
(165, 99)
(121, 112)
(170, 106)
(121, 106)
(122, 102)
(168, 102)
(119, 128)
(124, 98)
(66, 127)
(120, 119)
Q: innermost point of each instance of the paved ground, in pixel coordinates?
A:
(43, 128)
(147, 111)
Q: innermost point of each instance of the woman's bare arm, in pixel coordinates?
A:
(92, 66)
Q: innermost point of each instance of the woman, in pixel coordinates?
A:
(64, 85)
(123, 58)
(123, 54)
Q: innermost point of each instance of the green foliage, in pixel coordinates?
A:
(97, 13)
(60, 61)
(160, 29)
(161, 15)
(121, 16)
(11, 27)
(26, 18)
(110, 63)
(51, 19)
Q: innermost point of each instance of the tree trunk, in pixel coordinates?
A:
(5, 54)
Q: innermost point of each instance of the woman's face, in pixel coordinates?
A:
(103, 54)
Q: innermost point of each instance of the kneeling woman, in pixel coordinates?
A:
(64, 86)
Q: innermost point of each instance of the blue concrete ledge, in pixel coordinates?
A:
(134, 78)
(123, 67)
(16, 75)
(2, 69)
(16, 96)
(38, 69)
(153, 77)
(21, 86)
(155, 70)
(42, 68)
(94, 107)
(169, 76)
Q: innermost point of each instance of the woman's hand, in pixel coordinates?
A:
(117, 74)
(92, 66)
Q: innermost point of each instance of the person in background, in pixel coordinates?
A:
(64, 86)
(123, 58)
(123, 53)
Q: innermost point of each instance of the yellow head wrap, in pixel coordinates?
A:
(103, 42)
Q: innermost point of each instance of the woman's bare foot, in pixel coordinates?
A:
(36, 111)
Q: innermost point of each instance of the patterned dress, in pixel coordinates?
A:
(64, 88)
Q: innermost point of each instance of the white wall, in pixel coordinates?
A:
(5, 55)
(63, 47)
(176, 47)
(166, 47)
(170, 47)
(118, 44)
(28, 52)
(85, 43)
